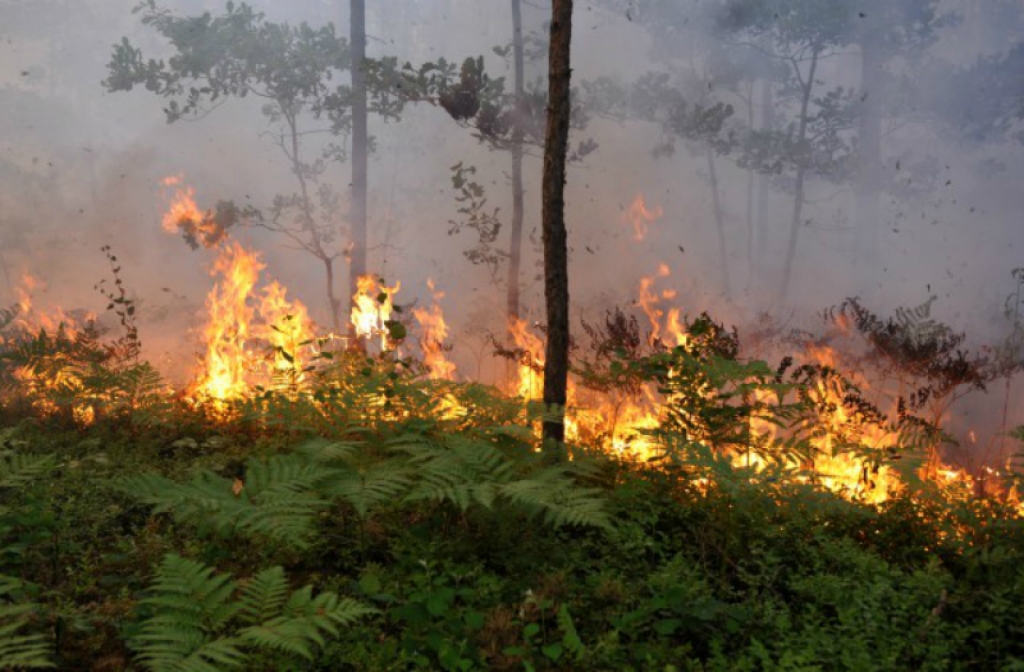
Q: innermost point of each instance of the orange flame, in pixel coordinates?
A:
(435, 331)
(641, 217)
(228, 357)
(185, 216)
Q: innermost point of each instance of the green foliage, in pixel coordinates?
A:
(17, 649)
(477, 217)
(277, 500)
(199, 620)
(281, 499)
(21, 645)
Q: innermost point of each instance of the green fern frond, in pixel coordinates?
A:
(17, 470)
(555, 495)
(461, 470)
(17, 649)
(368, 488)
(263, 596)
(305, 619)
(324, 451)
(191, 605)
(197, 623)
(191, 593)
(278, 499)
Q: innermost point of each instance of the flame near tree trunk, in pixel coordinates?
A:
(372, 305)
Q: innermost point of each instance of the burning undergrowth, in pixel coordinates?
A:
(860, 408)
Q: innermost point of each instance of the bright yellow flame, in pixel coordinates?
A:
(228, 356)
(372, 308)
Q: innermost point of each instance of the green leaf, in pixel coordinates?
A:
(552, 651)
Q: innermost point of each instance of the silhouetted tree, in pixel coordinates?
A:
(556, 271)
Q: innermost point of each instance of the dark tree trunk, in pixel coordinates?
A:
(801, 177)
(556, 272)
(515, 250)
(357, 262)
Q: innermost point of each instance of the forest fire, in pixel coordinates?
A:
(256, 338)
(371, 312)
(434, 334)
(640, 217)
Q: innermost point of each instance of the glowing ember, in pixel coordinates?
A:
(640, 216)
(435, 331)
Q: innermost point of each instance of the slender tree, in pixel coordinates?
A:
(556, 272)
(518, 135)
(360, 163)
(241, 54)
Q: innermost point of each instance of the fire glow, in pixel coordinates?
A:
(256, 338)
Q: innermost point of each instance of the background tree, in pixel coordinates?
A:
(512, 122)
(290, 68)
(801, 34)
(884, 31)
(360, 145)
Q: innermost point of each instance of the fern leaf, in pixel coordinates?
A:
(19, 650)
(559, 499)
(264, 596)
(278, 499)
(324, 451)
(195, 616)
(190, 605)
(303, 622)
(371, 487)
(17, 470)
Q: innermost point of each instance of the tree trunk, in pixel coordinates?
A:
(763, 181)
(869, 160)
(556, 272)
(751, 277)
(801, 176)
(357, 262)
(515, 252)
(723, 248)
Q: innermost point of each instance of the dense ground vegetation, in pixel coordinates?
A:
(369, 518)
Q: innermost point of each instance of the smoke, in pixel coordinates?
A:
(81, 168)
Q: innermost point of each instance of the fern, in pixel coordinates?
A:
(278, 499)
(303, 619)
(19, 650)
(370, 487)
(199, 622)
(553, 493)
(18, 470)
(461, 470)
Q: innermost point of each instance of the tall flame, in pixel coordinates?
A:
(434, 334)
(373, 305)
(228, 356)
